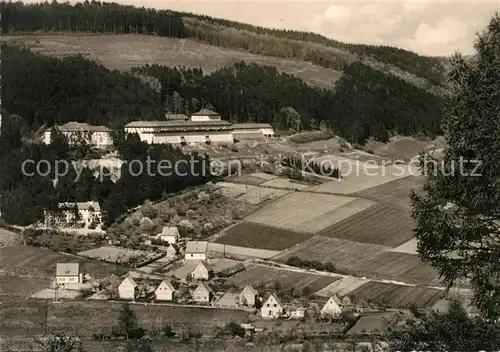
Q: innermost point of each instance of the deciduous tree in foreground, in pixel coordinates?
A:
(458, 212)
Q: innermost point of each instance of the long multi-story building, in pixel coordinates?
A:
(76, 132)
(205, 126)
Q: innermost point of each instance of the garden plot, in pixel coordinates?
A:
(259, 236)
(342, 287)
(115, 254)
(284, 183)
(9, 238)
(401, 267)
(22, 318)
(372, 323)
(245, 252)
(397, 296)
(248, 193)
(298, 210)
(20, 288)
(246, 180)
(50, 293)
(345, 255)
(382, 224)
(259, 194)
(259, 276)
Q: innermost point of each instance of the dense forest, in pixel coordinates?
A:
(25, 195)
(101, 17)
(365, 104)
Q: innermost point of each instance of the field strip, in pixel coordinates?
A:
(335, 216)
(277, 265)
(242, 251)
(342, 287)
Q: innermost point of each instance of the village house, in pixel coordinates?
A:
(75, 215)
(272, 307)
(172, 251)
(203, 271)
(68, 273)
(75, 133)
(203, 293)
(165, 291)
(169, 234)
(128, 289)
(196, 250)
(333, 307)
(248, 296)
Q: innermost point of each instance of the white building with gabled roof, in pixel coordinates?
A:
(272, 307)
(77, 132)
(165, 291)
(127, 289)
(68, 273)
(169, 234)
(196, 250)
(248, 296)
(333, 307)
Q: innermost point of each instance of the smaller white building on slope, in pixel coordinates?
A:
(169, 234)
(165, 291)
(252, 131)
(196, 250)
(333, 307)
(127, 289)
(68, 273)
(272, 307)
(76, 132)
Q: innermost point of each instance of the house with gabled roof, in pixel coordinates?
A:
(333, 307)
(203, 271)
(248, 296)
(196, 250)
(172, 250)
(203, 293)
(128, 289)
(272, 307)
(165, 291)
(169, 234)
(68, 273)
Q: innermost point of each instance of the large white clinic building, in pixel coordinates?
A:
(76, 132)
(205, 126)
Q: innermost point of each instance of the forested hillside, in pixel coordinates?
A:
(366, 103)
(97, 17)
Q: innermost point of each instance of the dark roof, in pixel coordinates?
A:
(245, 126)
(178, 123)
(170, 117)
(205, 112)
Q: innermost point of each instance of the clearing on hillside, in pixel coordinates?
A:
(122, 52)
(259, 276)
(300, 211)
(241, 252)
(245, 179)
(259, 236)
(382, 224)
(41, 262)
(394, 192)
(402, 267)
(397, 296)
(116, 255)
(284, 183)
(345, 255)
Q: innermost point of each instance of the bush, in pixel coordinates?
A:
(146, 224)
(148, 210)
(235, 329)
